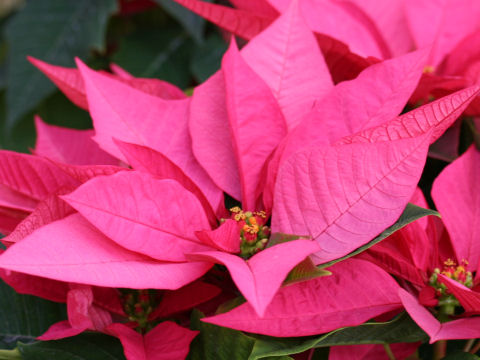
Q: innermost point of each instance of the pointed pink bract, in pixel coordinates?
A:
(154, 217)
(260, 277)
(77, 252)
(344, 196)
(286, 56)
(348, 297)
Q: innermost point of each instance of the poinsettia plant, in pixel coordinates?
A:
(270, 211)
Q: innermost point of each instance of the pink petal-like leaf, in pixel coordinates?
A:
(129, 115)
(466, 328)
(235, 104)
(184, 298)
(371, 351)
(355, 292)
(470, 300)
(343, 196)
(51, 209)
(260, 277)
(60, 330)
(357, 29)
(459, 204)
(154, 217)
(70, 146)
(32, 175)
(287, 58)
(448, 22)
(13, 199)
(68, 81)
(437, 115)
(238, 22)
(148, 160)
(166, 341)
(224, 238)
(77, 252)
(261, 7)
(252, 110)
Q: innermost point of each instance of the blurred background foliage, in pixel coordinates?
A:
(151, 39)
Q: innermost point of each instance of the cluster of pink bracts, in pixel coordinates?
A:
(301, 128)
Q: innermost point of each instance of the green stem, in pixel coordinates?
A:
(468, 345)
(10, 355)
(439, 349)
(389, 352)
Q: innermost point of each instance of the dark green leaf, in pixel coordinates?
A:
(280, 238)
(24, 317)
(53, 31)
(167, 59)
(460, 355)
(218, 343)
(86, 346)
(207, 57)
(400, 329)
(410, 214)
(191, 22)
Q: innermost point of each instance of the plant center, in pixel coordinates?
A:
(254, 233)
(447, 302)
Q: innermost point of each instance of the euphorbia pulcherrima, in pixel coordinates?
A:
(442, 263)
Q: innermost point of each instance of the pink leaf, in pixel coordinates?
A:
(466, 328)
(69, 146)
(32, 175)
(343, 196)
(13, 199)
(60, 330)
(68, 81)
(357, 29)
(224, 238)
(261, 7)
(385, 88)
(287, 58)
(449, 21)
(355, 292)
(470, 300)
(154, 217)
(184, 298)
(459, 204)
(238, 22)
(77, 252)
(260, 277)
(437, 115)
(148, 160)
(51, 209)
(129, 115)
(235, 104)
(166, 341)
(252, 110)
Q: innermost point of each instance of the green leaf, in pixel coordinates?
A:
(86, 346)
(167, 60)
(206, 59)
(218, 343)
(280, 238)
(24, 317)
(400, 329)
(55, 32)
(410, 214)
(191, 22)
(460, 355)
(306, 270)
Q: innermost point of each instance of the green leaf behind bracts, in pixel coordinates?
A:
(55, 32)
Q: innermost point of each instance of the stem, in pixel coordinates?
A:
(475, 349)
(389, 352)
(439, 349)
(468, 345)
